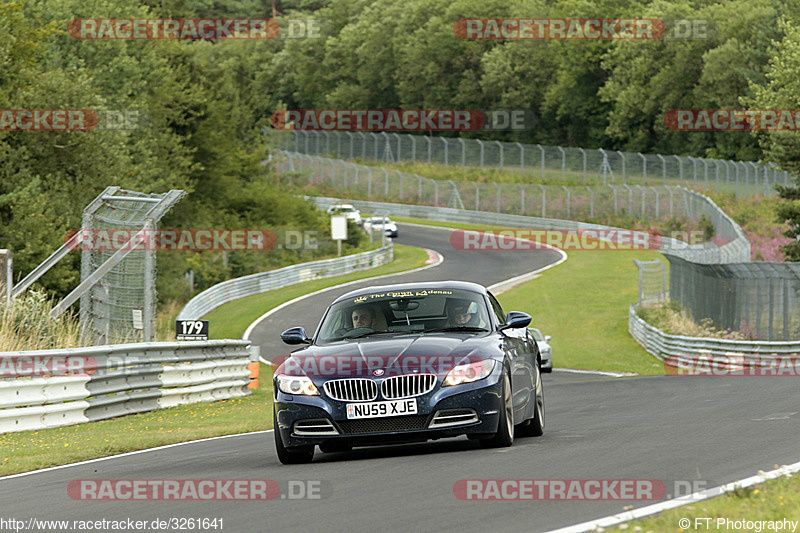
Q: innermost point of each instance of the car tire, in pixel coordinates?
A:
(290, 456)
(535, 426)
(505, 425)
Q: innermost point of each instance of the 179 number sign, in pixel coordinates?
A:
(191, 330)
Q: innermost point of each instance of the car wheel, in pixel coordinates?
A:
(505, 426)
(535, 426)
(290, 456)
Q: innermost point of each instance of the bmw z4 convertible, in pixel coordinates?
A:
(408, 363)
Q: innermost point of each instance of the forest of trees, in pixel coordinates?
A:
(208, 102)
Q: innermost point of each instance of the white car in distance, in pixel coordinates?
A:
(350, 212)
(378, 224)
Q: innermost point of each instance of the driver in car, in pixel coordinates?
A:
(364, 317)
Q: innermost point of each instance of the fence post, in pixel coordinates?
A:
(444, 140)
(583, 152)
(644, 167)
(624, 173)
(616, 203)
(501, 156)
(657, 206)
(477, 196)
(385, 180)
(350, 138)
(363, 144)
(522, 198)
(498, 197)
(544, 201)
(680, 168)
(436, 192)
(463, 152)
(427, 138)
(630, 199)
(480, 143)
(521, 158)
(413, 148)
(591, 201)
(400, 174)
(563, 164)
(542, 149)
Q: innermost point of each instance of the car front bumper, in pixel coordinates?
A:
(452, 405)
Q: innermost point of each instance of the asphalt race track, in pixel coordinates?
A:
(711, 429)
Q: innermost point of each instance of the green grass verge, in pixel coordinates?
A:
(775, 500)
(230, 320)
(583, 304)
(31, 450)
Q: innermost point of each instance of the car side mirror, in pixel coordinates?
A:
(547, 338)
(295, 336)
(516, 319)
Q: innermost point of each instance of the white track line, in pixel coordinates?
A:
(599, 372)
(594, 525)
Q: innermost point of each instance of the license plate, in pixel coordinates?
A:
(379, 409)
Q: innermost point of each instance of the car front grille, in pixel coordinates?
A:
(407, 386)
(351, 389)
(383, 425)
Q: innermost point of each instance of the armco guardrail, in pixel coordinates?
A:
(708, 253)
(50, 388)
(676, 348)
(236, 288)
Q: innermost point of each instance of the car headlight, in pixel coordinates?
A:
(469, 373)
(297, 385)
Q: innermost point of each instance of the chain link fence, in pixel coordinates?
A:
(554, 164)
(759, 299)
(121, 304)
(544, 201)
(652, 281)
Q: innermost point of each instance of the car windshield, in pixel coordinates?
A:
(536, 334)
(407, 311)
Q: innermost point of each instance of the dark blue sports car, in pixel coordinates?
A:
(408, 363)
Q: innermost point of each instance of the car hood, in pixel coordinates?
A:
(407, 354)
